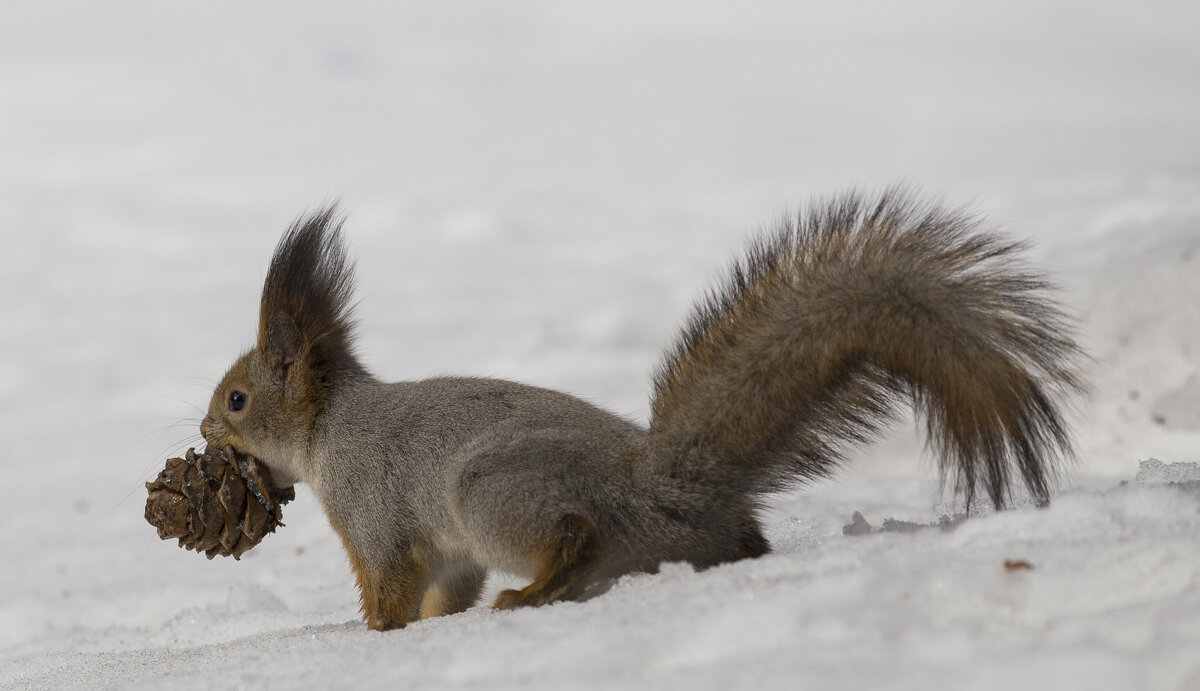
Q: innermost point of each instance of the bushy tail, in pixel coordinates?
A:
(835, 319)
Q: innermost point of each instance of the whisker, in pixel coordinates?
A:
(170, 452)
(187, 403)
(165, 428)
(193, 380)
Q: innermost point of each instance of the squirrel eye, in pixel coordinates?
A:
(237, 400)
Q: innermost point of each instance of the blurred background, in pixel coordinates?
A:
(535, 191)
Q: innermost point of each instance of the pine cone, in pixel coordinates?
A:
(216, 502)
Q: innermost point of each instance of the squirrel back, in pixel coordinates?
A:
(813, 341)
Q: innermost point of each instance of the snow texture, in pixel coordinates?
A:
(539, 191)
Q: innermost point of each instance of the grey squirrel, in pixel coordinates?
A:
(808, 347)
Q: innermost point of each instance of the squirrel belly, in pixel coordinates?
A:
(808, 347)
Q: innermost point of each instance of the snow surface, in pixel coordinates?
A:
(539, 192)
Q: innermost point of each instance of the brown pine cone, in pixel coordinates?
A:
(216, 502)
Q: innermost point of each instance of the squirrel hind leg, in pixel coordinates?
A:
(566, 563)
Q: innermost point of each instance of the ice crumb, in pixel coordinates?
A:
(1155, 472)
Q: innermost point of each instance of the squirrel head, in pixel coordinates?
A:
(269, 401)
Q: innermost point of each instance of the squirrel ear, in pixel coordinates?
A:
(282, 342)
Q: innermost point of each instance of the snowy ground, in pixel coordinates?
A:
(539, 193)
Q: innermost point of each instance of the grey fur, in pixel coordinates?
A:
(805, 350)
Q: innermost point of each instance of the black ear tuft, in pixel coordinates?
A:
(306, 315)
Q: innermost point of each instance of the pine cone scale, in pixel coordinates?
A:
(218, 502)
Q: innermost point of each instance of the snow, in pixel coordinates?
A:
(539, 192)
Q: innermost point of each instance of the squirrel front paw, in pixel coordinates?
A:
(381, 623)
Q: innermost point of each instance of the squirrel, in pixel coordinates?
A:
(814, 340)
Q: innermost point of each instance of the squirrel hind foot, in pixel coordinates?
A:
(566, 564)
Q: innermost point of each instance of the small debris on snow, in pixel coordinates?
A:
(1154, 472)
(859, 526)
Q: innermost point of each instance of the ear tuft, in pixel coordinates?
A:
(283, 342)
(306, 313)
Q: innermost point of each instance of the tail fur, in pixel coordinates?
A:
(837, 318)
